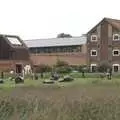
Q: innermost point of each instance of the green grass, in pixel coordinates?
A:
(90, 98)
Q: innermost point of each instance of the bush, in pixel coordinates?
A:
(64, 69)
(104, 66)
(61, 63)
(80, 68)
(42, 68)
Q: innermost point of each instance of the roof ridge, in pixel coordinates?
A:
(112, 19)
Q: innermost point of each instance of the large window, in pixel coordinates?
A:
(93, 52)
(116, 37)
(116, 52)
(94, 38)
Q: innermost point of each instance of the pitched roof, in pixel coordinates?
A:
(14, 41)
(56, 42)
(114, 22)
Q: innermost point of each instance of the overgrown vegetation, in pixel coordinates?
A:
(85, 103)
(89, 98)
(42, 68)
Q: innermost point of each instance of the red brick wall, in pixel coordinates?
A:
(11, 64)
(51, 59)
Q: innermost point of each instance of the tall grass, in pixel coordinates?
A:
(81, 103)
(82, 99)
(36, 109)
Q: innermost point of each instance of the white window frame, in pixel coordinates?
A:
(116, 50)
(93, 51)
(116, 35)
(116, 65)
(92, 66)
(95, 37)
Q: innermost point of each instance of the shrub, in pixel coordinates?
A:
(104, 66)
(64, 69)
(60, 63)
(80, 68)
(42, 68)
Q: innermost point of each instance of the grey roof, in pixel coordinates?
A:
(55, 42)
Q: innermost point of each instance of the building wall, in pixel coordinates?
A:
(72, 58)
(104, 42)
(7, 65)
(10, 54)
(93, 46)
(4, 49)
(104, 45)
(101, 45)
(51, 59)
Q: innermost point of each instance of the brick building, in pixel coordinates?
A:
(103, 44)
(48, 51)
(14, 54)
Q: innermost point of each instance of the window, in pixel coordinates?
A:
(93, 52)
(14, 40)
(93, 37)
(116, 37)
(116, 52)
(116, 67)
(93, 67)
(79, 49)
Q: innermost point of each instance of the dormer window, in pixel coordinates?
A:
(94, 38)
(116, 37)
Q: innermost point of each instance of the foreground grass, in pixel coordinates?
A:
(81, 99)
(84, 103)
(35, 109)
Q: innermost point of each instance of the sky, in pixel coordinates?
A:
(36, 19)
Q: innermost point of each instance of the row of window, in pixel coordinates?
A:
(115, 52)
(56, 49)
(115, 67)
(116, 37)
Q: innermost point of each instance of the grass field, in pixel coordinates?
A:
(87, 98)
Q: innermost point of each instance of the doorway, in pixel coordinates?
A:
(93, 67)
(115, 67)
(18, 68)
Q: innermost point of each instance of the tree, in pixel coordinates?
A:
(63, 35)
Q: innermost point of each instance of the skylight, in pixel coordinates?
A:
(14, 40)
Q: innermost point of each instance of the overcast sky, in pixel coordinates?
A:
(31, 19)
